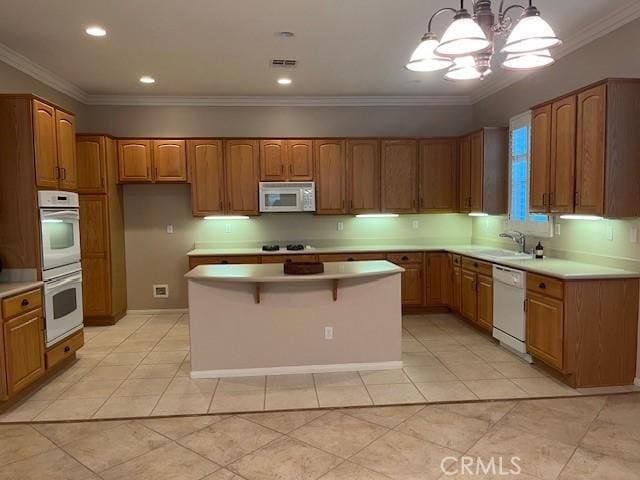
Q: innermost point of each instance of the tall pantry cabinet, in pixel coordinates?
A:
(104, 290)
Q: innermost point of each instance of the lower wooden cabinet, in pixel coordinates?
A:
(485, 302)
(455, 300)
(222, 260)
(413, 278)
(24, 350)
(545, 328)
(289, 258)
(64, 349)
(476, 293)
(437, 279)
(468, 295)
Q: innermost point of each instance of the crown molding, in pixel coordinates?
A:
(278, 101)
(22, 63)
(605, 25)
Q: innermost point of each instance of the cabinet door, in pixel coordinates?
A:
(545, 329)
(169, 161)
(590, 151)
(464, 149)
(273, 160)
(134, 160)
(456, 289)
(300, 160)
(412, 284)
(94, 226)
(46, 148)
(363, 163)
(437, 277)
(207, 177)
(92, 171)
(242, 167)
(331, 172)
(96, 285)
(485, 302)
(438, 171)
(563, 154)
(24, 350)
(66, 141)
(399, 176)
(540, 175)
(469, 296)
(477, 171)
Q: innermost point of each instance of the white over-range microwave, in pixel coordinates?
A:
(287, 196)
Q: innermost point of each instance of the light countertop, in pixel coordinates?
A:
(9, 289)
(272, 273)
(554, 267)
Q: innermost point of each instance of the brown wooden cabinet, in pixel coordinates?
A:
(206, 160)
(437, 278)
(169, 161)
(468, 295)
(413, 278)
(104, 296)
(545, 329)
(331, 173)
(593, 167)
(363, 173)
(484, 170)
(485, 302)
(24, 350)
(455, 300)
(134, 160)
(286, 160)
(476, 292)
(242, 175)
(399, 167)
(66, 143)
(300, 160)
(438, 173)
(222, 260)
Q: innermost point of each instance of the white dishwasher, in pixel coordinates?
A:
(509, 317)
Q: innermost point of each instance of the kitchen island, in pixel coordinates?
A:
(257, 320)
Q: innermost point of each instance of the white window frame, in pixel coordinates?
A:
(537, 229)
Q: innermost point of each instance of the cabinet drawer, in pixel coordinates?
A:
(289, 258)
(409, 257)
(220, 260)
(64, 349)
(477, 266)
(456, 259)
(21, 303)
(352, 257)
(545, 285)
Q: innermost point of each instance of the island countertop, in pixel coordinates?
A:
(274, 273)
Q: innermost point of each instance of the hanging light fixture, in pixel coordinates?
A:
(468, 44)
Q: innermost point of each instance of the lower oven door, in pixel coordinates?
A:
(63, 307)
(60, 237)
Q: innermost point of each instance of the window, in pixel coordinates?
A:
(519, 155)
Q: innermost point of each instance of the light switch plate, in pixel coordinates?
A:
(557, 229)
(633, 235)
(610, 233)
(169, 228)
(415, 224)
(227, 228)
(340, 226)
(328, 333)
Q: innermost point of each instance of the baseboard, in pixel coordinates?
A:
(408, 310)
(103, 321)
(158, 311)
(338, 367)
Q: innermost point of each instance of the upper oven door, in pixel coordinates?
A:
(280, 199)
(63, 306)
(60, 237)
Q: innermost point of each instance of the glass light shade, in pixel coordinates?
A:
(464, 68)
(424, 59)
(528, 60)
(463, 37)
(530, 34)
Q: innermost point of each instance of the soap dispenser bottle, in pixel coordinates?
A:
(539, 251)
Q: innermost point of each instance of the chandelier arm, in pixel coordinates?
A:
(503, 12)
(442, 10)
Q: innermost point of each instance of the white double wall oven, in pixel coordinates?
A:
(61, 268)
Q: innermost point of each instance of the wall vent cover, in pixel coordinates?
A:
(161, 291)
(284, 63)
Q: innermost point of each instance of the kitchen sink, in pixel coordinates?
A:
(497, 254)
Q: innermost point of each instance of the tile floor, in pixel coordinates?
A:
(574, 438)
(140, 367)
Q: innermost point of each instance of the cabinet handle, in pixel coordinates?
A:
(544, 202)
(67, 349)
(224, 262)
(542, 286)
(405, 258)
(576, 199)
(148, 172)
(350, 259)
(288, 260)
(24, 302)
(343, 203)
(221, 207)
(475, 264)
(290, 169)
(550, 199)
(281, 169)
(56, 171)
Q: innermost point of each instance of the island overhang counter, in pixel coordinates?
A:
(256, 320)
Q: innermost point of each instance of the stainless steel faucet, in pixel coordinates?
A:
(517, 237)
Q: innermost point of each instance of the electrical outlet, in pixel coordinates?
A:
(415, 224)
(610, 233)
(340, 226)
(227, 228)
(161, 291)
(328, 333)
(169, 228)
(633, 235)
(557, 229)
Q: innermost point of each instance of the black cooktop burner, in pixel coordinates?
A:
(295, 246)
(270, 248)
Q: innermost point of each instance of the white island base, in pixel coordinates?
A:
(234, 335)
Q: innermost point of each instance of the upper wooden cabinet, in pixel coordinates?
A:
(399, 166)
(592, 167)
(286, 160)
(134, 160)
(169, 161)
(207, 177)
(242, 175)
(363, 173)
(331, 173)
(91, 164)
(438, 170)
(55, 147)
(484, 171)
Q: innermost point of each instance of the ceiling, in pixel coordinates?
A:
(223, 47)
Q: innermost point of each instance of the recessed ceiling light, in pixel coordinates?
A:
(147, 79)
(284, 81)
(285, 34)
(96, 31)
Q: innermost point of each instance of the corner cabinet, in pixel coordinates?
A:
(331, 177)
(399, 164)
(484, 167)
(590, 165)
